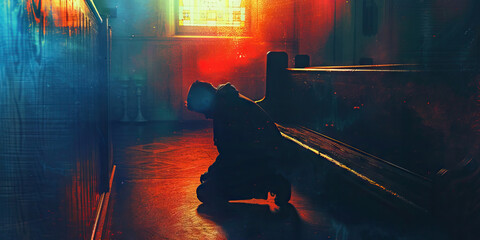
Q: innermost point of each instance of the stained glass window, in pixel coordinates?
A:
(193, 16)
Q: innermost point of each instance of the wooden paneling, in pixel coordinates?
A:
(51, 129)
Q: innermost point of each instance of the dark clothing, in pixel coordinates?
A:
(245, 136)
(248, 142)
(241, 125)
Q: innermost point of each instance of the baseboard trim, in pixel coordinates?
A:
(102, 210)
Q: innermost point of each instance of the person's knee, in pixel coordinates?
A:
(202, 192)
(209, 192)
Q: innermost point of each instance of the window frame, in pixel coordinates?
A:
(213, 30)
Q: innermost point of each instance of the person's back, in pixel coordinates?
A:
(246, 139)
(241, 126)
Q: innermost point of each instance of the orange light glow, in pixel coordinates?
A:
(58, 13)
(161, 177)
(225, 60)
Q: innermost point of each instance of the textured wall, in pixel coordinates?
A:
(146, 50)
(338, 32)
(50, 131)
(388, 31)
(332, 32)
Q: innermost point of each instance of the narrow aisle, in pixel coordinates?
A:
(153, 196)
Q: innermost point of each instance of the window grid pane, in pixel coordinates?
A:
(214, 13)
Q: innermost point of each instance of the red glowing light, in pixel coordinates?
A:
(225, 59)
(58, 13)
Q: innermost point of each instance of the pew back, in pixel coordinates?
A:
(414, 120)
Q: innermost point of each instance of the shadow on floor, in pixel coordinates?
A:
(254, 221)
(154, 197)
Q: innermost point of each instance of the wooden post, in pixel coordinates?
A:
(277, 62)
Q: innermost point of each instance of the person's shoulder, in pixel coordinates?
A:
(227, 90)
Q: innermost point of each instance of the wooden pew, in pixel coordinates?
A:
(397, 129)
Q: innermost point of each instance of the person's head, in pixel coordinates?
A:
(200, 98)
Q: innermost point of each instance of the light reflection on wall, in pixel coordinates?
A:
(59, 13)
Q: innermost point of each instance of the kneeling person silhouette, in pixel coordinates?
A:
(247, 141)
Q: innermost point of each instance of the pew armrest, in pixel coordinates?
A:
(377, 174)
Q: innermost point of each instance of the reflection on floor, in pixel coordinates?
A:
(153, 197)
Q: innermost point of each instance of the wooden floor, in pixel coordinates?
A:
(153, 197)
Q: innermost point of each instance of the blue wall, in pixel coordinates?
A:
(52, 125)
